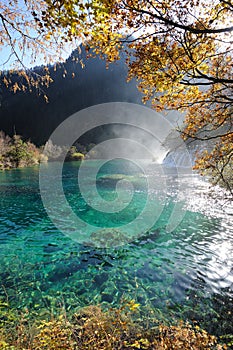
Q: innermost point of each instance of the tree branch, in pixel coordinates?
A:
(172, 23)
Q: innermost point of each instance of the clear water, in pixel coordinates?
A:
(185, 274)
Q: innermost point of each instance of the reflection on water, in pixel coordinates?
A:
(186, 273)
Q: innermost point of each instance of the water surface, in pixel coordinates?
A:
(184, 274)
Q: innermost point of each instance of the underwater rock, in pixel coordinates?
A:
(6, 279)
(147, 237)
(110, 290)
(109, 237)
(110, 180)
(107, 298)
(51, 248)
(101, 278)
(66, 268)
(62, 271)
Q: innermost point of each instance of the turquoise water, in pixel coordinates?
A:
(184, 274)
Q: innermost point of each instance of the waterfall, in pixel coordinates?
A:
(181, 158)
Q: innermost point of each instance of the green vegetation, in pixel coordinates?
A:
(74, 154)
(92, 328)
(16, 153)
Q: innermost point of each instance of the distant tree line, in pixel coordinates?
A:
(17, 153)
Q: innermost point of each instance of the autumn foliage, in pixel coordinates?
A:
(93, 328)
(180, 52)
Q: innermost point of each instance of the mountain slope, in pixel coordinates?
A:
(30, 116)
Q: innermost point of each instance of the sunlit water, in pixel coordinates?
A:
(185, 274)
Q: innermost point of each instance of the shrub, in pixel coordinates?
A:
(92, 328)
(14, 152)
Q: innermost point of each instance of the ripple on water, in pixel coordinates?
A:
(187, 273)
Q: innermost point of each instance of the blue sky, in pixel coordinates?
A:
(5, 49)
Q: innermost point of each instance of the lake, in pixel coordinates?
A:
(185, 272)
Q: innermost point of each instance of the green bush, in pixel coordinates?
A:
(14, 152)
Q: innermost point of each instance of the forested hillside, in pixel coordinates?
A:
(73, 89)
